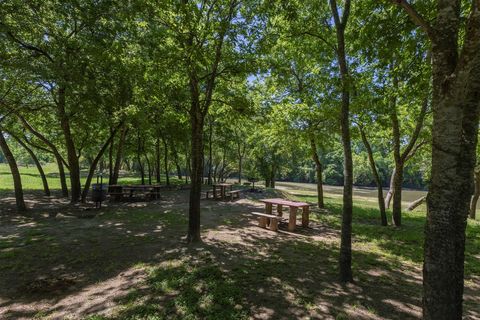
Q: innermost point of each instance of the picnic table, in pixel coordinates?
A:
(133, 191)
(293, 205)
(222, 188)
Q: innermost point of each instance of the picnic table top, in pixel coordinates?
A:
(285, 202)
(222, 184)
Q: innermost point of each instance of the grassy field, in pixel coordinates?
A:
(31, 178)
(131, 262)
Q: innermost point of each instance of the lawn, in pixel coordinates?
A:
(131, 262)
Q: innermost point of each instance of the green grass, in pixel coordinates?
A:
(31, 179)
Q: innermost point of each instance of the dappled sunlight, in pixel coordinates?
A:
(131, 261)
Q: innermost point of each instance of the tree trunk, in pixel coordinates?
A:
(397, 196)
(58, 158)
(119, 155)
(149, 169)
(17, 180)
(376, 176)
(46, 189)
(210, 151)
(416, 203)
(93, 166)
(318, 170)
(165, 160)
(456, 91)
(175, 158)
(345, 259)
(74, 166)
(476, 195)
(110, 160)
(272, 177)
(391, 189)
(196, 174)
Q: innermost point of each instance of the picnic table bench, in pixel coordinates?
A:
(234, 194)
(269, 220)
(293, 205)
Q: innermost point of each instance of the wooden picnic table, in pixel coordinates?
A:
(119, 192)
(223, 188)
(293, 205)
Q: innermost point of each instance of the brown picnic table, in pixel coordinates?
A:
(222, 188)
(132, 191)
(293, 205)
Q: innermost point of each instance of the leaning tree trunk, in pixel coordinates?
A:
(46, 189)
(73, 163)
(376, 176)
(17, 180)
(54, 150)
(476, 195)
(318, 170)
(391, 190)
(93, 166)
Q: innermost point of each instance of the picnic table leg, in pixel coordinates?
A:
(273, 224)
(268, 208)
(279, 210)
(292, 219)
(262, 222)
(305, 216)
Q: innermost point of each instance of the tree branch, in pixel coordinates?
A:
(416, 18)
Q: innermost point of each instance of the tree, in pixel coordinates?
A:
(456, 87)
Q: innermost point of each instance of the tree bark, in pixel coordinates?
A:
(456, 91)
(376, 176)
(345, 259)
(196, 174)
(119, 155)
(93, 166)
(476, 195)
(416, 203)
(46, 189)
(318, 170)
(210, 151)
(59, 159)
(74, 166)
(391, 189)
(157, 161)
(165, 160)
(17, 180)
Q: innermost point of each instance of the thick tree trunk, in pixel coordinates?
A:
(196, 174)
(17, 180)
(456, 92)
(318, 170)
(93, 166)
(46, 189)
(74, 166)
(476, 195)
(118, 157)
(376, 176)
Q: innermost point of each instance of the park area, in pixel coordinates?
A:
(239, 159)
(130, 261)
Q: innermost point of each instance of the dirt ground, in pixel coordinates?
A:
(55, 265)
